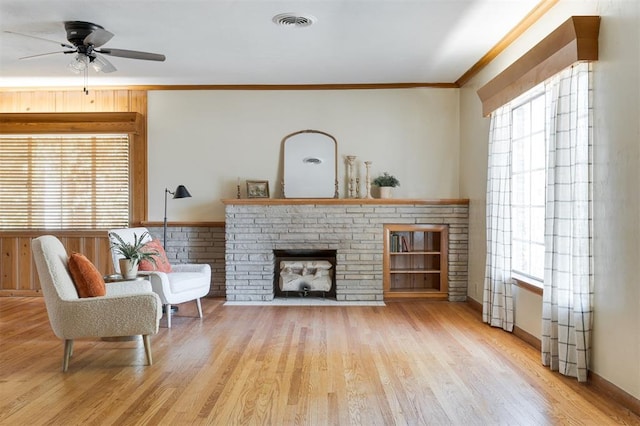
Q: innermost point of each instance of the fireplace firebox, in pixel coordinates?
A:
(304, 273)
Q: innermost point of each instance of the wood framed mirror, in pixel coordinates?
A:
(310, 165)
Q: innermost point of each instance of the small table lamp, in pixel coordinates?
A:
(180, 192)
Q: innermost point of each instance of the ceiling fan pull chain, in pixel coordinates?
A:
(86, 80)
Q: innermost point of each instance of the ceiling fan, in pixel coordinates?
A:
(85, 40)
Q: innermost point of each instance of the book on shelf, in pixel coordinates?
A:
(405, 246)
(398, 243)
(395, 243)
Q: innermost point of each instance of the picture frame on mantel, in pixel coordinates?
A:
(257, 189)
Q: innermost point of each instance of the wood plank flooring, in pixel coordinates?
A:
(407, 363)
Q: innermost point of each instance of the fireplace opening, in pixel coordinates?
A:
(304, 273)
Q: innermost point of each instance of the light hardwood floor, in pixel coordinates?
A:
(409, 363)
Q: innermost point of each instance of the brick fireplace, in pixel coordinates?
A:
(351, 227)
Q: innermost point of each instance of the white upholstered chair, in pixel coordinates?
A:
(129, 308)
(185, 283)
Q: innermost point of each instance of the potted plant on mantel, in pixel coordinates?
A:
(132, 254)
(385, 182)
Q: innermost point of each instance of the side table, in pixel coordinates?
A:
(117, 278)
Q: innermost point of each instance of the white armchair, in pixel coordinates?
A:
(185, 283)
(129, 308)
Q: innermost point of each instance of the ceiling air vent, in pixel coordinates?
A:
(294, 20)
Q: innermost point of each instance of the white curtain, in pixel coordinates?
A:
(568, 279)
(497, 306)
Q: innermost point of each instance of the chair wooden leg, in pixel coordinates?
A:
(199, 307)
(168, 308)
(68, 350)
(147, 348)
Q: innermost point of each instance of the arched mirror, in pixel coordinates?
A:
(310, 165)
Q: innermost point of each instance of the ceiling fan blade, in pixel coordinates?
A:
(46, 54)
(103, 64)
(68, 46)
(132, 54)
(98, 37)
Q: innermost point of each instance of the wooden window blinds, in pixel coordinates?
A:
(64, 181)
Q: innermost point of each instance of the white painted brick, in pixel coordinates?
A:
(354, 231)
(359, 277)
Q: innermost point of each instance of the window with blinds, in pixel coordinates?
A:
(64, 181)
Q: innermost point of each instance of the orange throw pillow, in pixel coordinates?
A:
(86, 277)
(162, 263)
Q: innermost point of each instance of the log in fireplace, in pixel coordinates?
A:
(304, 273)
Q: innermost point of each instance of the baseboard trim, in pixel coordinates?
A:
(20, 293)
(527, 337)
(517, 331)
(475, 305)
(597, 383)
(605, 387)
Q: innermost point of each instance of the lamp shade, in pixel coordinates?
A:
(181, 192)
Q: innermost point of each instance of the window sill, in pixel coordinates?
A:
(528, 284)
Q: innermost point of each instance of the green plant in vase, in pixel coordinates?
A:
(132, 252)
(385, 182)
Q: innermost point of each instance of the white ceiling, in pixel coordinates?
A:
(236, 42)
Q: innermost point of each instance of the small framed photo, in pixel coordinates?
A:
(258, 189)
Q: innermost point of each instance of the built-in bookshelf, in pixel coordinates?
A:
(415, 261)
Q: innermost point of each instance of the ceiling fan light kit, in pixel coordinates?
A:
(86, 40)
(79, 63)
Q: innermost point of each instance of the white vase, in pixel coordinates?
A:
(128, 268)
(386, 191)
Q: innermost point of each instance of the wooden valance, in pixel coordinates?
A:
(575, 40)
(76, 122)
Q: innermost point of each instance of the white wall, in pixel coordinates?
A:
(435, 141)
(616, 337)
(206, 140)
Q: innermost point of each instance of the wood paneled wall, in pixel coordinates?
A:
(18, 276)
(75, 100)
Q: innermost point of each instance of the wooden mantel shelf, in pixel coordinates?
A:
(343, 201)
